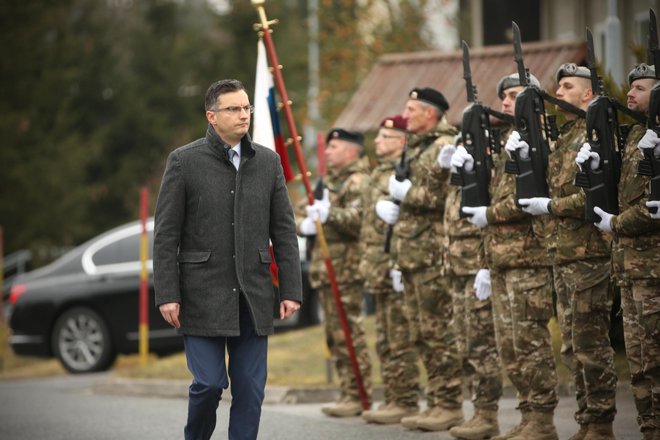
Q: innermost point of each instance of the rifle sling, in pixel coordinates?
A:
(637, 116)
(563, 104)
(499, 115)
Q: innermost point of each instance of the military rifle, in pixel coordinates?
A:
(401, 173)
(475, 131)
(650, 165)
(605, 139)
(533, 127)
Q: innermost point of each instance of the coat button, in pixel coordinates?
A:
(234, 289)
(232, 191)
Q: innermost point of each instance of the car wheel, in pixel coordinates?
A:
(81, 341)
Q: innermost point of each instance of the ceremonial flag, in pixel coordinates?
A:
(266, 125)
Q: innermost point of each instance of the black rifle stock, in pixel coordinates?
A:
(475, 132)
(604, 137)
(530, 111)
(401, 173)
(650, 165)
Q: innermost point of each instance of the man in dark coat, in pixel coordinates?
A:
(222, 198)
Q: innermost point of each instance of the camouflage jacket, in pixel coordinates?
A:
(511, 239)
(375, 264)
(462, 239)
(419, 232)
(573, 239)
(636, 246)
(342, 228)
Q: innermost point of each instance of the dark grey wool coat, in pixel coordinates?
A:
(211, 237)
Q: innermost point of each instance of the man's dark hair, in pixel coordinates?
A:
(219, 88)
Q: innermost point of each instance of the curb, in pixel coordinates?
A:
(273, 395)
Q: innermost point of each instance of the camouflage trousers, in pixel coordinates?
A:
(641, 330)
(398, 358)
(351, 298)
(583, 311)
(428, 303)
(473, 324)
(522, 306)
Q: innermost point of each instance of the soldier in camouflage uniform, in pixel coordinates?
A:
(636, 259)
(398, 358)
(521, 283)
(581, 269)
(472, 317)
(418, 242)
(339, 213)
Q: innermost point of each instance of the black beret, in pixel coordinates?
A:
(430, 96)
(642, 70)
(514, 81)
(345, 135)
(572, 69)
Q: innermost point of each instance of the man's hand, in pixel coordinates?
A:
(288, 308)
(515, 143)
(535, 205)
(462, 159)
(605, 223)
(482, 284)
(387, 211)
(477, 215)
(445, 155)
(397, 282)
(586, 154)
(650, 140)
(170, 312)
(654, 204)
(398, 190)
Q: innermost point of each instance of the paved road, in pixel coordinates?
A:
(72, 408)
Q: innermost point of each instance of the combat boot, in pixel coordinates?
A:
(599, 431)
(539, 427)
(524, 419)
(580, 434)
(440, 419)
(393, 413)
(366, 415)
(344, 408)
(410, 422)
(482, 426)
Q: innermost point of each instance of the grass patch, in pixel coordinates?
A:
(296, 358)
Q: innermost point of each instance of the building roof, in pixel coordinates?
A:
(385, 89)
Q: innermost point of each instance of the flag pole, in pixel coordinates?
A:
(264, 31)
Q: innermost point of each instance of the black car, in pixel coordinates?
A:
(83, 307)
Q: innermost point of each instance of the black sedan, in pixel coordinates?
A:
(83, 307)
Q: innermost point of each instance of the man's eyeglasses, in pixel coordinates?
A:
(235, 109)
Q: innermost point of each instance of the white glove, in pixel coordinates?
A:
(398, 190)
(477, 215)
(514, 143)
(462, 159)
(650, 140)
(482, 284)
(308, 226)
(397, 282)
(605, 223)
(387, 211)
(535, 205)
(654, 204)
(445, 155)
(321, 208)
(585, 154)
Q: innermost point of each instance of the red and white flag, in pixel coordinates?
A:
(265, 124)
